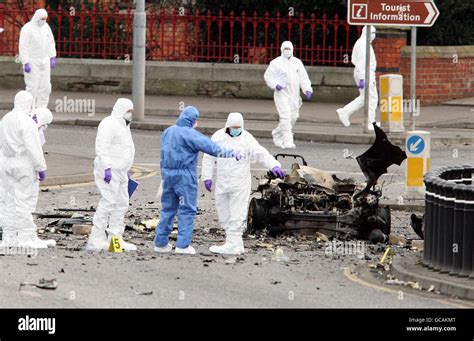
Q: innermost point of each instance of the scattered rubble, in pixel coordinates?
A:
(48, 284)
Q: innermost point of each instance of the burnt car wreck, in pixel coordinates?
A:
(309, 199)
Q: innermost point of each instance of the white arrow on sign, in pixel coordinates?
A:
(431, 12)
(414, 145)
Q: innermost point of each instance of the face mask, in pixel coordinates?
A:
(287, 53)
(128, 117)
(234, 132)
(41, 22)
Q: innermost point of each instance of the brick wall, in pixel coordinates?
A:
(443, 73)
(387, 46)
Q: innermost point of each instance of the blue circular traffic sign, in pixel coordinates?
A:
(415, 144)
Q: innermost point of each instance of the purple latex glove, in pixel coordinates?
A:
(35, 118)
(238, 156)
(278, 87)
(308, 94)
(208, 185)
(52, 62)
(27, 68)
(278, 172)
(361, 84)
(108, 175)
(41, 175)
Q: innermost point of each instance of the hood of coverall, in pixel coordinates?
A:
(364, 33)
(121, 107)
(43, 116)
(23, 102)
(39, 14)
(187, 117)
(286, 44)
(235, 119)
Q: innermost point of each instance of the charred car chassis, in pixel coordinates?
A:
(312, 199)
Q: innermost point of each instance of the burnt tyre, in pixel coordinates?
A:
(257, 215)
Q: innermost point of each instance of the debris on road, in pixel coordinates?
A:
(81, 230)
(48, 284)
(417, 224)
(146, 225)
(417, 245)
(279, 256)
(413, 285)
(397, 240)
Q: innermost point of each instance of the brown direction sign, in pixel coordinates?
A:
(392, 12)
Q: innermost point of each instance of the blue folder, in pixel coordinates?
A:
(132, 186)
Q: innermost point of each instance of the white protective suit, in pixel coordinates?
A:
(44, 117)
(115, 149)
(37, 47)
(2, 185)
(358, 59)
(292, 76)
(233, 181)
(22, 158)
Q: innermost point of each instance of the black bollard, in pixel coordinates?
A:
(468, 235)
(440, 254)
(467, 174)
(448, 227)
(458, 228)
(427, 231)
(435, 223)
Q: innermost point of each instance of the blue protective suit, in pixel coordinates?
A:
(180, 147)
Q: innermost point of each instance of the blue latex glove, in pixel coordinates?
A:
(361, 84)
(41, 175)
(108, 175)
(208, 185)
(35, 118)
(238, 156)
(278, 172)
(52, 62)
(278, 87)
(308, 94)
(27, 68)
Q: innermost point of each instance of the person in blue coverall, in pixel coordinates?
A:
(180, 147)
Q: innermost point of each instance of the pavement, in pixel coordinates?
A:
(318, 122)
(410, 268)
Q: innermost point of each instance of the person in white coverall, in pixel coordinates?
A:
(38, 56)
(286, 75)
(115, 152)
(23, 164)
(358, 59)
(233, 180)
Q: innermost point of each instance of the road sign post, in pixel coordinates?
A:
(367, 80)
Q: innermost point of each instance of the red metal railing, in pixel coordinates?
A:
(101, 32)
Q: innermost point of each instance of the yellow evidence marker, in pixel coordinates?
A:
(115, 245)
